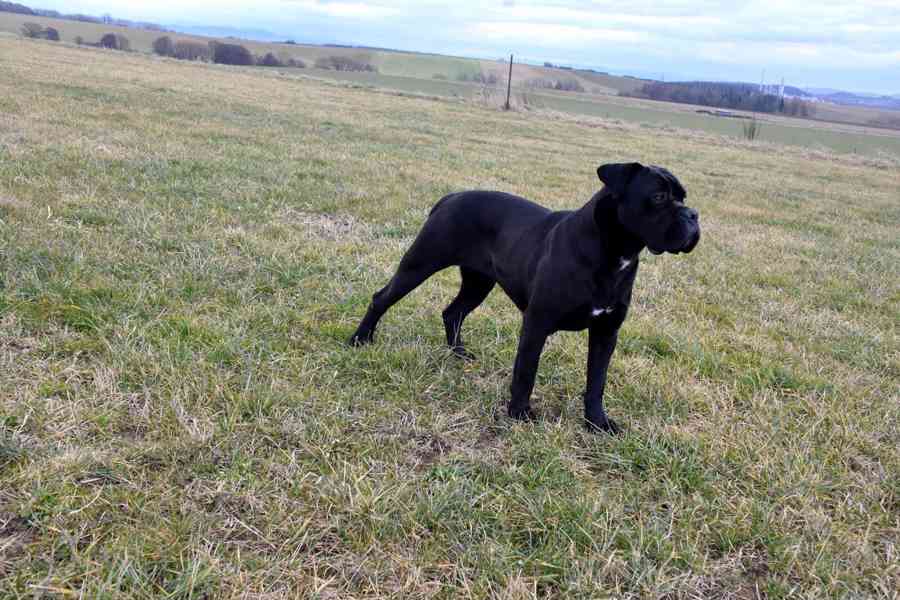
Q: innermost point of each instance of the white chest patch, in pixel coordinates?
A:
(601, 311)
(624, 263)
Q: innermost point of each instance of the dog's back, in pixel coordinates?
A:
(486, 213)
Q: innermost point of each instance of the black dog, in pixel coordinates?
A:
(565, 270)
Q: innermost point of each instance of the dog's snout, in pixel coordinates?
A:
(692, 214)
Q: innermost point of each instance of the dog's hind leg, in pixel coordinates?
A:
(403, 282)
(421, 261)
(474, 289)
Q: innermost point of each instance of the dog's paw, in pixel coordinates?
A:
(604, 424)
(522, 413)
(461, 352)
(360, 339)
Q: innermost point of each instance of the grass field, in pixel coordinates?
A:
(796, 132)
(433, 74)
(420, 67)
(184, 249)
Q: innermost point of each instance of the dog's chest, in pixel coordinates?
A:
(612, 287)
(606, 297)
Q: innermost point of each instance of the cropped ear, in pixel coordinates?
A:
(617, 175)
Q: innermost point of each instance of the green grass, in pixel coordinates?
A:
(184, 249)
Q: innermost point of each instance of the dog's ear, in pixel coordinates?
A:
(617, 175)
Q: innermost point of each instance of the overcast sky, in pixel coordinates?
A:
(817, 43)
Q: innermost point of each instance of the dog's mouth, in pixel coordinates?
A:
(690, 245)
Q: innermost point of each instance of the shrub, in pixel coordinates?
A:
(565, 85)
(269, 60)
(751, 129)
(296, 62)
(568, 85)
(115, 41)
(32, 30)
(79, 40)
(489, 79)
(231, 54)
(343, 63)
(164, 46)
(440, 76)
(35, 31)
(797, 108)
(540, 83)
(191, 51)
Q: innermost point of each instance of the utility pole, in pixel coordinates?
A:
(508, 83)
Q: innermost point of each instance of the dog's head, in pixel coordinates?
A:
(651, 206)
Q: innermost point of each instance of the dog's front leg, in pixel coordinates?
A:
(531, 344)
(601, 343)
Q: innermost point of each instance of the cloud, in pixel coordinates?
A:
(346, 10)
(552, 34)
(827, 42)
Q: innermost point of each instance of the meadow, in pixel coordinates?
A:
(847, 129)
(184, 249)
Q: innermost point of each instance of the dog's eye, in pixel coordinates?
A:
(660, 198)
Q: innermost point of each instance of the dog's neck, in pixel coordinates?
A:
(600, 217)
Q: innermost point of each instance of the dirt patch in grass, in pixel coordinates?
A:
(16, 534)
(326, 226)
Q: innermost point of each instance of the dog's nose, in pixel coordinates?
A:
(692, 214)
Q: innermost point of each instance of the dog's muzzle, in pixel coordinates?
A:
(687, 230)
(691, 220)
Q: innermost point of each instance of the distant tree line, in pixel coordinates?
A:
(14, 7)
(564, 85)
(219, 52)
(344, 63)
(112, 41)
(479, 77)
(738, 96)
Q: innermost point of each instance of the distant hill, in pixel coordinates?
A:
(790, 90)
(21, 9)
(872, 101)
(12, 7)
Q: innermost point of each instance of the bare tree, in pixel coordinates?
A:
(32, 30)
(164, 46)
(269, 60)
(191, 51)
